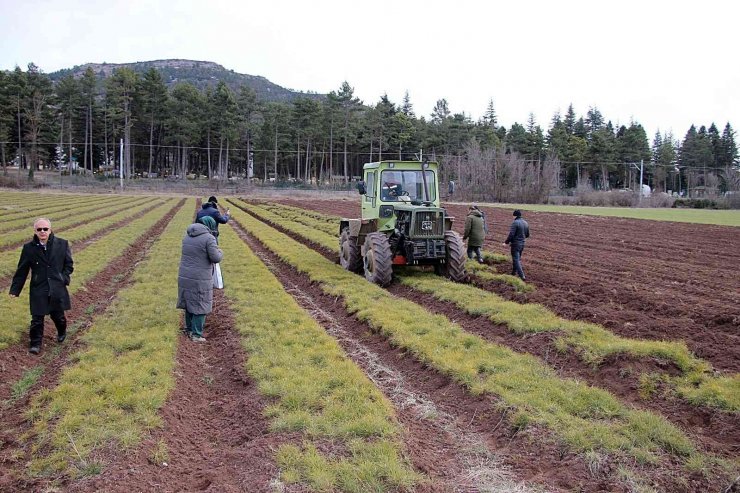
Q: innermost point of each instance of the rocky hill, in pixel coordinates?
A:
(199, 73)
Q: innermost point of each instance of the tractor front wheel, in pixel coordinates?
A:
(349, 252)
(377, 261)
(454, 266)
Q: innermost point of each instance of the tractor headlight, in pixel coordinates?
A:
(386, 211)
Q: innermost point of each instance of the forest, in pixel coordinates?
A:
(178, 130)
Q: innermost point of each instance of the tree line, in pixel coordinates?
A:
(217, 132)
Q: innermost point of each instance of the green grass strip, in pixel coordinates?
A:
(326, 240)
(316, 390)
(327, 224)
(699, 216)
(593, 342)
(584, 417)
(61, 224)
(113, 391)
(25, 221)
(88, 263)
(28, 202)
(488, 273)
(9, 259)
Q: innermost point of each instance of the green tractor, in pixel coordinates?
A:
(402, 224)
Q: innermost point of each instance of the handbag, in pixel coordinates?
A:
(218, 278)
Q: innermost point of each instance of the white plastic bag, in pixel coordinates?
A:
(218, 279)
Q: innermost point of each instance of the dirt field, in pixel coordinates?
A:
(644, 279)
(639, 279)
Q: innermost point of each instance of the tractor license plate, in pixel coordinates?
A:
(427, 225)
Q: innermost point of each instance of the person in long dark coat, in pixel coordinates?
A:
(49, 259)
(195, 277)
(518, 234)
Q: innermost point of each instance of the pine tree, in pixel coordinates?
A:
(154, 103)
(729, 152)
(37, 111)
(88, 85)
(406, 107)
(570, 120)
(489, 117)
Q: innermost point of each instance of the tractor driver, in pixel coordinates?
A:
(392, 188)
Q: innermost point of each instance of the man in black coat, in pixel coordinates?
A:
(518, 233)
(50, 261)
(210, 208)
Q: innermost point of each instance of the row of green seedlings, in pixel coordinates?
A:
(315, 390)
(9, 258)
(26, 202)
(697, 384)
(327, 224)
(87, 263)
(330, 225)
(66, 219)
(117, 382)
(68, 205)
(585, 418)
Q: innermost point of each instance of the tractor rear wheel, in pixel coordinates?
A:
(377, 261)
(454, 266)
(349, 252)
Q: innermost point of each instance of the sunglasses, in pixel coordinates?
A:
(39, 230)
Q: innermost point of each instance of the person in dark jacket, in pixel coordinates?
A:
(475, 232)
(49, 259)
(210, 208)
(518, 233)
(195, 277)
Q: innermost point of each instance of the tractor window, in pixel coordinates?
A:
(394, 184)
(370, 186)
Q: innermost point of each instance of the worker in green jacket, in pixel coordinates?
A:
(475, 232)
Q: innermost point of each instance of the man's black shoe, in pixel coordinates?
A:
(61, 337)
(34, 350)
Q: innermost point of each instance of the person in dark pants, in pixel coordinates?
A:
(210, 209)
(475, 232)
(518, 233)
(49, 259)
(195, 277)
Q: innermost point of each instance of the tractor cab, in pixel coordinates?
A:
(402, 223)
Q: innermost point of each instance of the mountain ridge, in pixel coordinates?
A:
(200, 73)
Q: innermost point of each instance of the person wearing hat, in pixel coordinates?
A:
(518, 233)
(475, 232)
(210, 209)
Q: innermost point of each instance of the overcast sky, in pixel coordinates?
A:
(664, 64)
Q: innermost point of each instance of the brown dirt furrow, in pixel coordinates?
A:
(15, 360)
(463, 443)
(215, 433)
(638, 278)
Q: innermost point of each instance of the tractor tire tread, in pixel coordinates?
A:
(382, 273)
(354, 262)
(455, 257)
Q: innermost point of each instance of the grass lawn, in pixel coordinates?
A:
(700, 216)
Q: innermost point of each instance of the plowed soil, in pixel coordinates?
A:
(638, 278)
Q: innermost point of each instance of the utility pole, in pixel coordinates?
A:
(641, 170)
(120, 168)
